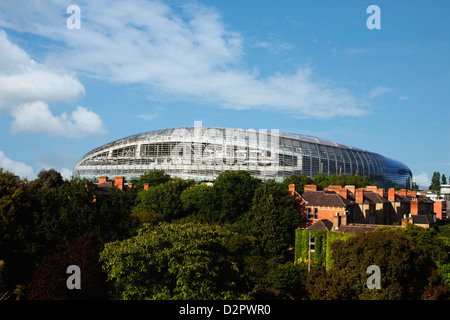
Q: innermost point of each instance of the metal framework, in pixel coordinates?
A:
(202, 153)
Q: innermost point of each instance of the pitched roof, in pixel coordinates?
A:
(425, 199)
(102, 188)
(324, 199)
(421, 219)
(321, 225)
(361, 228)
(375, 197)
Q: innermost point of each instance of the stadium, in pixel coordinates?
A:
(202, 153)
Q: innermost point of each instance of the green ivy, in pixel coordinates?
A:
(321, 257)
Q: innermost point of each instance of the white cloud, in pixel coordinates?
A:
(18, 168)
(66, 173)
(23, 80)
(423, 180)
(148, 117)
(180, 52)
(378, 91)
(26, 88)
(273, 44)
(36, 117)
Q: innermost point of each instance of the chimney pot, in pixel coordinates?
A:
(359, 196)
(292, 188)
(118, 182)
(310, 187)
(391, 195)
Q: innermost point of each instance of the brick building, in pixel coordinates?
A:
(369, 206)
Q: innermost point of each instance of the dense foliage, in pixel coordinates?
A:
(407, 270)
(179, 239)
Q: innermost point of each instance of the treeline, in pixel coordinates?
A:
(436, 181)
(177, 240)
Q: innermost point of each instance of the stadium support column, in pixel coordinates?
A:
(197, 141)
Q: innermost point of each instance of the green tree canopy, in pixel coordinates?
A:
(49, 179)
(161, 202)
(173, 261)
(153, 178)
(322, 181)
(200, 201)
(267, 227)
(435, 182)
(407, 271)
(235, 192)
(18, 206)
(299, 181)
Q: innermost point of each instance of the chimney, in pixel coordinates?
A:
(102, 179)
(359, 196)
(338, 189)
(292, 189)
(352, 189)
(310, 187)
(438, 209)
(118, 182)
(414, 207)
(344, 219)
(411, 193)
(336, 221)
(343, 193)
(145, 186)
(380, 192)
(391, 195)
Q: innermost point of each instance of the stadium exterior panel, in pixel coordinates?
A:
(202, 153)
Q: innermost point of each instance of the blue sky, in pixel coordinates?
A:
(310, 67)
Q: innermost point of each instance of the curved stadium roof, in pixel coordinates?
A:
(202, 153)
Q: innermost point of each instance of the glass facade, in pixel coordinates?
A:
(202, 153)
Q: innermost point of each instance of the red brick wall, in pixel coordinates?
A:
(310, 187)
(438, 206)
(118, 181)
(326, 212)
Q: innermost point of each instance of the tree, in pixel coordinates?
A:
(49, 278)
(17, 210)
(299, 181)
(435, 182)
(153, 178)
(407, 271)
(67, 212)
(115, 219)
(267, 227)
(200, 202)
(49, 179)
(444, 179)
(161, 202)
(235, 191)
(173, 261)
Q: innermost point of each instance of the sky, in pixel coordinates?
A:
(76, 74)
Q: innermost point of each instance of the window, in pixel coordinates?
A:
(308, 213)
(312, 244)
(316, 213)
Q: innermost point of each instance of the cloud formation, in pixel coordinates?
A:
(18, 168)
(183, 52)
(22, 79)
(423, 180)
(36, 117)
(26, 88)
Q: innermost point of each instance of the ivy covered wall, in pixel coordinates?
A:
(321, 257)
